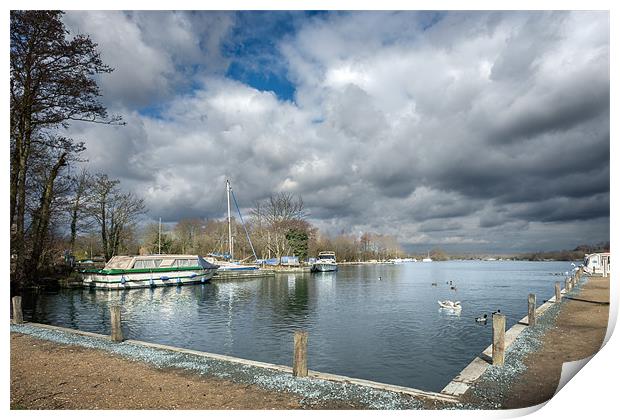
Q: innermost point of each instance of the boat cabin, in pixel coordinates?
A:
(155, 261)
(327, 255)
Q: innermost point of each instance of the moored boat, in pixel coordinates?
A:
(128, 272)
(325, 262)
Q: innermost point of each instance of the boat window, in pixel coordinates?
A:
(181, 262)
(168, 262)
(146, 263)
(119, 262)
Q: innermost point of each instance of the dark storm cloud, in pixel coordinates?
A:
(472, 129)
(439, 226)
(567, 107)
(562, 209)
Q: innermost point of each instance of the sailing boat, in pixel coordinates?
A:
(428, 258)
(231, 265)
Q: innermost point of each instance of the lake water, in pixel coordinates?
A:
(388, 330)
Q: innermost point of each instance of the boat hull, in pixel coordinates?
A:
(324, 267)
(148, 279)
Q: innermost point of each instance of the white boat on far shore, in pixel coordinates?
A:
(325, 262)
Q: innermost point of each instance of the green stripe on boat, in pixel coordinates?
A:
(115, 271)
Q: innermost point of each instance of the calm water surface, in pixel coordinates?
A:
(387, 330)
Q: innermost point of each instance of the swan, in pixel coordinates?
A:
(448, 304)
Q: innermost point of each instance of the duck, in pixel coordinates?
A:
(453, 288)
(433, 284)
(496, 312)
(379, 277)
(482, 318)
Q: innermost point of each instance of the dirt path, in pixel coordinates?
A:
(47, 375)
(578, 333)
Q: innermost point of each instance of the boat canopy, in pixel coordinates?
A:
(156, 261)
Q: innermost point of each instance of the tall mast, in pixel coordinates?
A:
(159, 238)
(230, 245)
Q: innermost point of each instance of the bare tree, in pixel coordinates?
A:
(114, 212)
(187, 232)
(77, 205)
(65, 151)
(279, 214)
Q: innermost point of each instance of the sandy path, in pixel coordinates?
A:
(47, 375)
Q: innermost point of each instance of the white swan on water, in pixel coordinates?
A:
(448, 304)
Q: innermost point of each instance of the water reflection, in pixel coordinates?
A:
(378, 322)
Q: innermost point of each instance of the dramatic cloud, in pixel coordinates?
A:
(469, 130)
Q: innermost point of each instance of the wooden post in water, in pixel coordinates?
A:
(499, 335)
(18, 317)
(558, 293)
(567, 285)
(300, 358)
(531, 309)
(115, 321)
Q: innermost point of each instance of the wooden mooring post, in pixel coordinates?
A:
(18, 317)
(499, 338)
(115, 321)
(567, 285)
(558, 293)
(300, 357)
(531, 309)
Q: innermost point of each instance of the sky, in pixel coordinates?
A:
(467, 131)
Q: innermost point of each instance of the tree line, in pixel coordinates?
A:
(576, 254)
(276, 227)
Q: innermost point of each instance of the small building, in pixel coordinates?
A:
(597, 263)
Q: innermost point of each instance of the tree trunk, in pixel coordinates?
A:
(14, 176)
(74, 216)
(42, 217)
(19, 240)
(104, 232)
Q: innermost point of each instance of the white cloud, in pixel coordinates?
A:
(393, 129)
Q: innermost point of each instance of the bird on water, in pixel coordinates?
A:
(482, 319)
